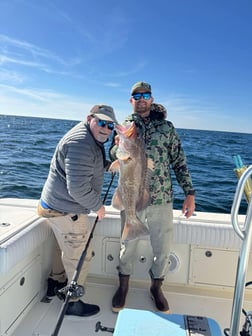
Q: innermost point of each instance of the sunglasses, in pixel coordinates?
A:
(104, 123)
(145, 95)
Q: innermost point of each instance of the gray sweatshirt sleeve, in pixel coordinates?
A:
(83, 179)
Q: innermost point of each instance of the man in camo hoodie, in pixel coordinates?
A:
(163, 146)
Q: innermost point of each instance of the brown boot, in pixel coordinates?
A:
(158, 296)
(119, 299)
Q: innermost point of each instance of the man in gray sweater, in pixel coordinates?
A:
(73, 188)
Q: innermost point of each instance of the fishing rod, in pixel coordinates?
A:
(73, 290)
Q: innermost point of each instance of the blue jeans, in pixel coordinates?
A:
(159, 220)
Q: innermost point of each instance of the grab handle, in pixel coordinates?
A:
(246, 235)
(237, 201)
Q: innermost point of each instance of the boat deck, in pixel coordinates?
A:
(43, 317)
(200, 280)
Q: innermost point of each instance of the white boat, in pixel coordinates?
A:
(200, 282)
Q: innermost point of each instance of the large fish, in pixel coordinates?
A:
(132, 192)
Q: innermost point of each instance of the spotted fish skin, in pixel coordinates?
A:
(135, 169)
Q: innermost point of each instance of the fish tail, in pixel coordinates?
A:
(134, 229)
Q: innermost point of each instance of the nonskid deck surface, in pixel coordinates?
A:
(42, 320)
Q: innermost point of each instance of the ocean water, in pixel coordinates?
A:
(27, 145)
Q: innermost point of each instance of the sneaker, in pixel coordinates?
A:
(79, 308)
(53, 286)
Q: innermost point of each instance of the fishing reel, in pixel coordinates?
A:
(247, 326)
(73, 290)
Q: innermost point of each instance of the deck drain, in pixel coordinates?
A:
(5, 224)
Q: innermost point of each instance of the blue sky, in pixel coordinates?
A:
(58, 58)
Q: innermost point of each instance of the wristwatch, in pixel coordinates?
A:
(191, 192)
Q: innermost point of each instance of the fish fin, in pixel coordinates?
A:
(117, 200)
(114, 166)
(150, 164)
(144, 202)
(134, 230)
(122, 155)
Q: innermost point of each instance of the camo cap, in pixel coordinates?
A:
(103, 112)
(140, 86)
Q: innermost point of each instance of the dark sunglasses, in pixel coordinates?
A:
(104, 123)
(145, 95)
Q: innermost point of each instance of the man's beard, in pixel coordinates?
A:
(142, 109)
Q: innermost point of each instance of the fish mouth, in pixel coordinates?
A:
(127, 130)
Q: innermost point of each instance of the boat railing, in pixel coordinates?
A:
(245, 234)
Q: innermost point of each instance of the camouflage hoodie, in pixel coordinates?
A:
(163, 146)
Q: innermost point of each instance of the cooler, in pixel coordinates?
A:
(133, 322)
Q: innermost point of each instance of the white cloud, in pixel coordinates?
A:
(41, 103)
(11, 76)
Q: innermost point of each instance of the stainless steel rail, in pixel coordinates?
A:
(245, 233)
